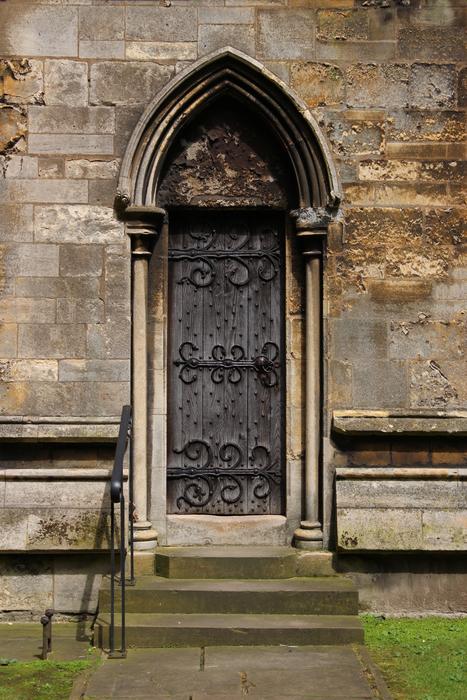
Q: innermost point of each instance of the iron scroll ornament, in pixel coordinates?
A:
(265, 364)
(205, 481)
(239, 260)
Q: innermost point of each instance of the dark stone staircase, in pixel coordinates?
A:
(211, 596)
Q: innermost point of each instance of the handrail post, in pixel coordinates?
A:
(122, 573)
(112, 581)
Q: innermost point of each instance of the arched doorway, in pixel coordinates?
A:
(226, 186)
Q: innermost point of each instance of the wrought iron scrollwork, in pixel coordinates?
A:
(265, 365)
(205, 481)
(240, 260)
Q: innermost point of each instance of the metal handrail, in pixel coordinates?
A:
(117, 497)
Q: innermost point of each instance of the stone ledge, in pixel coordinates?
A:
(409, 473)
(406, 423)
(58, 429)
(41, 474)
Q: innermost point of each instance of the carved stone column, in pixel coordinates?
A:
(143, 225)
(311, 226)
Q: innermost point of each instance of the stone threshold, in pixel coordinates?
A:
(410, 473)
(403, 422)
(59, 429)
(192, 530)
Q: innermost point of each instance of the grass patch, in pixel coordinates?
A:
(421, 659)
(40, 680)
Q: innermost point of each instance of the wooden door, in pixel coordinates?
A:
(226, 363)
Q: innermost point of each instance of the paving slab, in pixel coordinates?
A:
(228, 673)
(22, 641)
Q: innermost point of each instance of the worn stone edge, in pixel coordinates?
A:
(371, 668)
(409, 473)
(41, 474)
(354, 422)
(69, 429)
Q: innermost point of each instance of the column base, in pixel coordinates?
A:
(308, 536)
(145, 537)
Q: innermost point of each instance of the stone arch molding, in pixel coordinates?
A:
(314, 211)
(229, 71)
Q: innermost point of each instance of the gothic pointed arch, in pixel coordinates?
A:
(229, 72)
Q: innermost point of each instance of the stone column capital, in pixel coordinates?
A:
(143, 225)
(311, 227)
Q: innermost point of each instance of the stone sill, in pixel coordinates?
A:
(58, 429)
(415, 473)
(41, 474)
(406, 423)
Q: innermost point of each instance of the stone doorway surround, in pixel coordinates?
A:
(313, 214)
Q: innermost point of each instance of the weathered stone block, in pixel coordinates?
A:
(379, 528)
(379, 383)
(27, 583)
(8, 339)
(19, 167)
(433, 126)
(412, 195)
(51, 167)
(111, 339)
(317, 83)
(94, 370)
(32, 260)
(370, 85)
(77, 581)
(28, 190)
(12, 129)
(102, 23)
(286, 34)
(432, 86)
(23, 81)
(161, 23)
(81, 260)
(436, 385)
(226, 15)
(29, 370)
(354, 338)
(102, 192)
(216, 36)
(62, 119)
(17, 310)
(38, 31)
(356, 51)
(449, 171)
(101, 49)
(400, 493)
(77, 224)
(127, 83)
(340, 25)
(426, 339)
(69, 144)
(444, 226)
(16, 223)
(52, 287)
(161, 50)
(51, 341)
(67, 529)
(92, 169)
(65, 83)
(350, 136)
(445, 530)
(80, 311)
(431, 43)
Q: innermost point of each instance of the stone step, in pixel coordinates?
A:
(295, 596)
(167, 630)
(212, 562)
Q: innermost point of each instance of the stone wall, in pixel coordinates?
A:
(387, 84)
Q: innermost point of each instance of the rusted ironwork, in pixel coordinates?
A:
(46, 622)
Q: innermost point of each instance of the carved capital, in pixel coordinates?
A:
(311, 225)
(143, 225)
